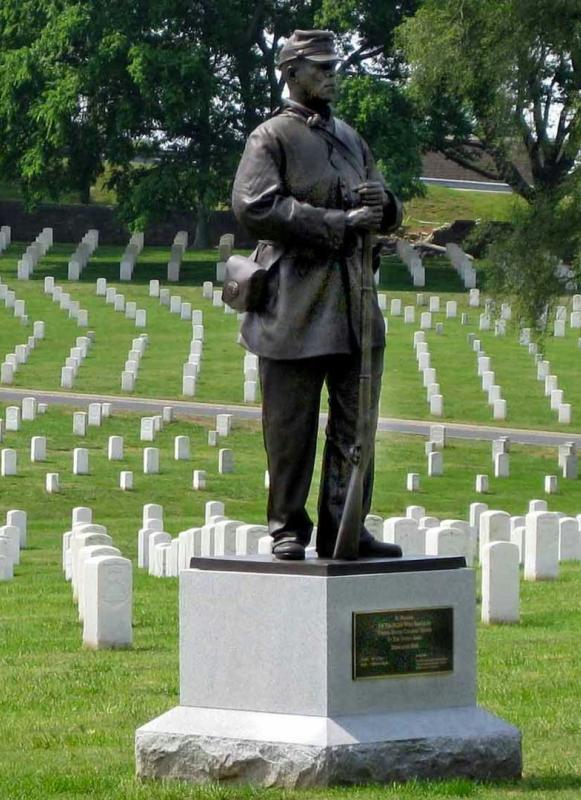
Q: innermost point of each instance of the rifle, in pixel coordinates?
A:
(347, 544)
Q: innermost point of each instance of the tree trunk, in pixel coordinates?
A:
(85, 193)
(201, 241)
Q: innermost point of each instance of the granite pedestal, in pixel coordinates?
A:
(318, 673)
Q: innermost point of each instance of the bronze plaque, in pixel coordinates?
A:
(415, 641)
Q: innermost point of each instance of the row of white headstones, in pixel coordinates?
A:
(13, 539)
(539, 541)
(101, 582)
(33, 253)
(101, 579)
(191, 368)
(193, 365)
(488, 380)
(149, 426)
(567, 461)
(80, 258)
(461, 262)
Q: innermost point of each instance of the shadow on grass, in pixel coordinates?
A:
(553, 782)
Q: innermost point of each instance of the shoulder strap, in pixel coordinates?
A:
(343, 148)
(335, 141)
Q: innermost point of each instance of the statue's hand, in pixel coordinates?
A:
(372, 193)
(367, 218)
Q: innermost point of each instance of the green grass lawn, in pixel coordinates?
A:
(69, 715)
(221, 379)
(441, 205)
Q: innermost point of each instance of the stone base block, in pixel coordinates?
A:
(286, 750)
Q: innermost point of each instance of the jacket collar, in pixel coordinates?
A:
(312, 118)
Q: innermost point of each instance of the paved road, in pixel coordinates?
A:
(474, 186)
(190, 409)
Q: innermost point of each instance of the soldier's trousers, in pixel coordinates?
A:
(291, 394)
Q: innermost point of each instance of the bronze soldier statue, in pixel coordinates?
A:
(308, 188)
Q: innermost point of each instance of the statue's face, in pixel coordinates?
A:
(314, 81)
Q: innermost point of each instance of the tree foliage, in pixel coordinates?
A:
(383, 115)
(164, 94)
(507, 71)
(503, 78)
(66, 100)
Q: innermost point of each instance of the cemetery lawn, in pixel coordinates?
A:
(221, 378)
(442, 205)
(69, 715)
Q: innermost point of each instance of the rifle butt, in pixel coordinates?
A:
(347, 544)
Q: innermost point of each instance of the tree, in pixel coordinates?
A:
(206, 73)
(381, 112)
(373, 96)
(507, 72)
(66, 100)
(499, 79)
(164, 94)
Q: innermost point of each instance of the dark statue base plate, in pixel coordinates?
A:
(327, 566)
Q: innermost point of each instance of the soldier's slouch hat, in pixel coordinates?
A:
(315, 45)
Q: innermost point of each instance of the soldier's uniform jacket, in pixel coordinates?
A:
(292, 191)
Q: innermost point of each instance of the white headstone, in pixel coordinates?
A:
(6, 567)
(199, 479)
(12, 418)
(147, 429)
(225, 461)
(404, 532)
(213, 508)
(435, 464)
(569, 539)
(18, 519)
(152, 511)
(437, 405)
(108, 602)
(126, 480)
(225, 538)
(115, 448)
(80, 461)
(94, 414)
(494, 526)
(481, 484)
(155, 538)
(413, 482)
(248, 538)
(29, 405)
(445, 541)
(223, 424)
(542, 546)
(127, 381)
(500, 583)
(415, 512)
(150, 460)
(38, 448)
(8, 462)
(80, 423)
(11, 534)
(181, 448)
(538, 505)
(501, 465)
